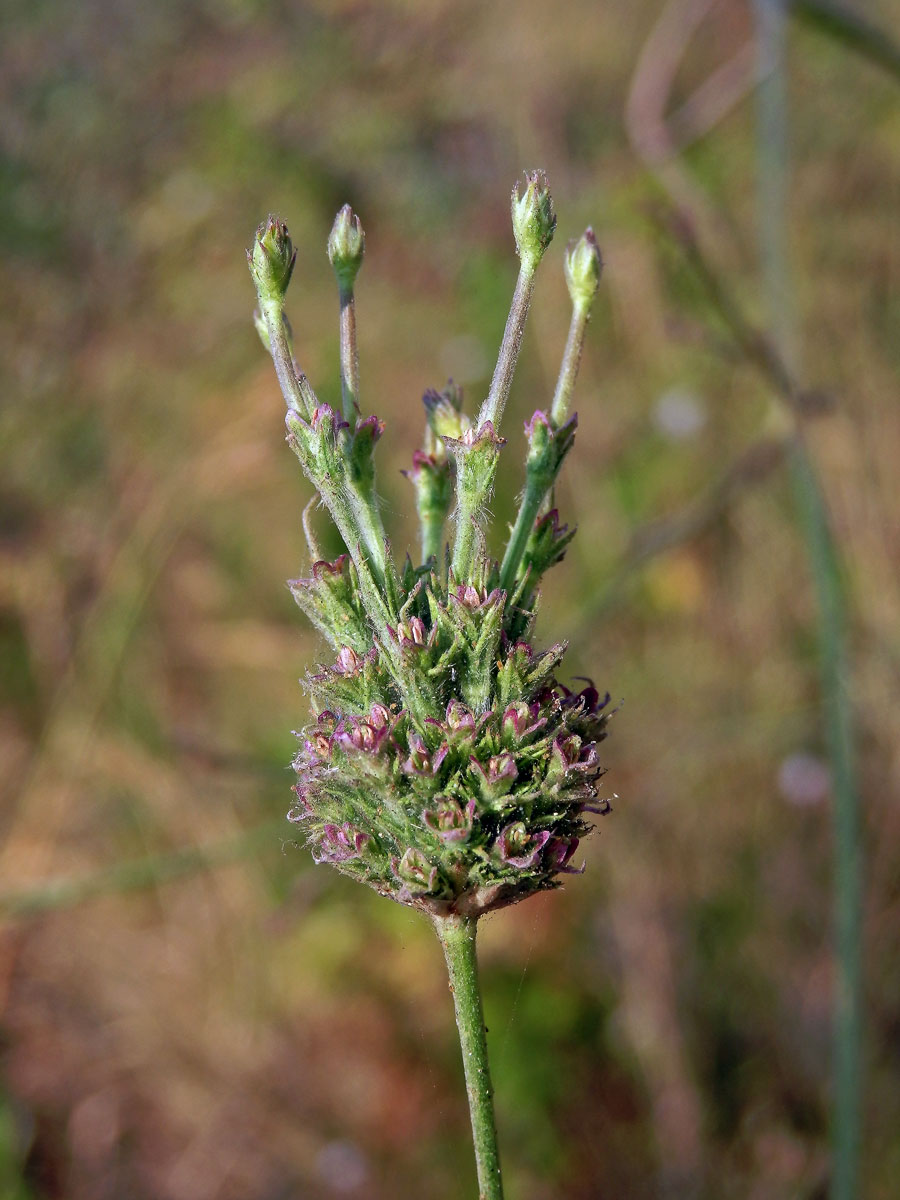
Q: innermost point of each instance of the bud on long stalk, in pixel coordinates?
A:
(583, 266)
(534, 223)
(549, 439)
(445, 765)
(346, 247)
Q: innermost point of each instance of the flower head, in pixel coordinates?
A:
(446, 766)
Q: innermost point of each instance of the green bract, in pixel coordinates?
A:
(445, 766)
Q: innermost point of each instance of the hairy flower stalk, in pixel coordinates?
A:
(445, 765)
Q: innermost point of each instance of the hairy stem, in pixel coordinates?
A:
(474, 482)
(568, 371)
(364, 507)
(295, 387)
(518, 539)
(432, 537)
(457, 936)
(492, 408)
(349, 356)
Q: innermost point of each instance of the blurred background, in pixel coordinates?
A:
(189, 1009)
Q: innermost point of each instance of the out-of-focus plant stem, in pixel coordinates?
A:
(457, 937)
(772, 156)
(850, 30)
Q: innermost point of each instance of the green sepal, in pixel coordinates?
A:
(476, 455)
(546, 546)
(547, 447)
(330, 599)
(360, 454)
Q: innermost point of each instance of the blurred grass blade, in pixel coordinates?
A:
(853, 32)
(151, 871)
(772, 157)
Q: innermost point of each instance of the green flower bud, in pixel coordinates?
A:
(533, 216)
(442, 410)
(271, 260)
(583, 267)
(346, 246)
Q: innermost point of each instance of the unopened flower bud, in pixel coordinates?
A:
(346, 246)
(444, 415)
(271, 260)
(533, 216)
(583, 267)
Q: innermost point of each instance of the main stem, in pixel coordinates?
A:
(457, 935)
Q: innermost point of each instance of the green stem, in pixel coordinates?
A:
(537, 490)
(518, 539)
(432, 529)
(349, 356)
(568, 371)
(457, 936)
(363, 505)
(501, 382)
(295, 387)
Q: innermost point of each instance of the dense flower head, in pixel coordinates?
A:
(445, 765)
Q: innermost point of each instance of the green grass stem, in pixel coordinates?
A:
(822, 553)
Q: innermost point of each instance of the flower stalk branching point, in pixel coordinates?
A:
(446, 765)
